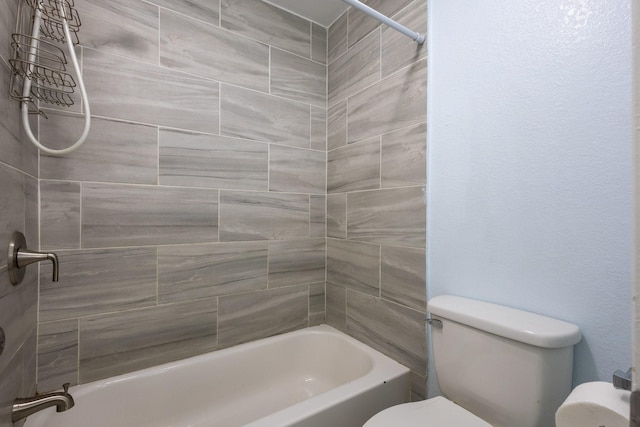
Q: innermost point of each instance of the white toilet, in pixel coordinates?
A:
(496, 366)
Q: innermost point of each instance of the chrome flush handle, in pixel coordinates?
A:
(18, 257)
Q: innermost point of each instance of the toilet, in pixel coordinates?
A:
(496, 367)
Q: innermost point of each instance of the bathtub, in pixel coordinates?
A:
(315, 377)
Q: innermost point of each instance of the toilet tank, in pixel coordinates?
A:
(507, 366)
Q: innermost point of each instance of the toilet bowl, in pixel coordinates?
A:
(496, 367)
(434, 412)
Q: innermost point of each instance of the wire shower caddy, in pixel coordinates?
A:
(39, 64)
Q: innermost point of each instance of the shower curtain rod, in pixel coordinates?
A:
(417, 37)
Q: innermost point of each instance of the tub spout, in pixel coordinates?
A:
(23, 407)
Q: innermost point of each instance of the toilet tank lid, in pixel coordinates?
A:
(518, 325)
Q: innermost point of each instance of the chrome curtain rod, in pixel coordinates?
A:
(417, 37)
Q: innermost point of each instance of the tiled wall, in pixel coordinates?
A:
(376, 183)
(193, 218)
(18, 212)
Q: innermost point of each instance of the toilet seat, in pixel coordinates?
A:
(434, 412)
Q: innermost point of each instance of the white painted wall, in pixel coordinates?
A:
(530, 133)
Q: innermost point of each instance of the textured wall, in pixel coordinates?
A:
(376, 288)
(194, 217)
(530, 164)
(18, 212)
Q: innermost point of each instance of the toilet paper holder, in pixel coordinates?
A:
(622, 380)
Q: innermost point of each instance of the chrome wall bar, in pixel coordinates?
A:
(417, 37)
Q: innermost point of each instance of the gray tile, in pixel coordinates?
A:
(257, 116)
(337, 38)
(204, 10)
(403, 276)
(263, 216)
(337, 215)
(336, 310)
(356, 69)
(296, 262)
(418, 387)
(318, 128)
(29, 362)
(269, 24)
(59, 215)
(122, 27)
(395, 102)
(57, 354)
(316, 304)
(394, 217)
(297, 170)
(114, 151)
(318, 43)
(298, 78)
(354, 167)
(317, 212)
(13, 323)
(191, 272)
(398, 50)
(130, 90)
(98, 281)
(392, 329)
(130, 340)
(205, 50)
(354, 265)
(119, 215)
(403, 157)
(10, 387)
(201, 160)
(12, 206)
(7, 26)
(31, 211)
(360, 24)
(337, 125)
(247, 317)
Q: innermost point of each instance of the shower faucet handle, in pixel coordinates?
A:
(18, 257)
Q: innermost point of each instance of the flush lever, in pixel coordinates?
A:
(19, 257)
(622, 380)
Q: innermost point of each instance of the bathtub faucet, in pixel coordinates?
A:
(23, 407)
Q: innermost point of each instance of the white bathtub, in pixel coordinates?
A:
(315, 377)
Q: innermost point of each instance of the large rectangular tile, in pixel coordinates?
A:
(354, 167)
(59, 215)
(269, 24)
(130, 340)
(113, 152)
(248, 317)
(98, 281)
(360, 24)
(395, 102)
(12, 206)
(298, 78)
(136, 32)
(337, 125)
(57, 354)
(358, 68)
(398, 50)
(296, 262)
(318, 128)
(404, 157)
(318, 216)
(119, 215)
(204, 10)
(317, 304)
(337, 38)
(254, 115)
(394, 216)
(297, 170)
(205, 50)
(7, 26)
(354, 265)
(130, 90)
(392, 329)
(263, 216)
(336, 309)
(318, 43)
(403, 274)
(337, 215)
(202, 160)
(191, 272)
